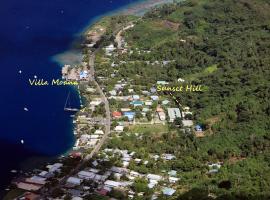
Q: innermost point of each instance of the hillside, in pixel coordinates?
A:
(225, 46)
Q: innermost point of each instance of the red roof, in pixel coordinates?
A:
(117, 114)
(76, 155)
(159, 109)
(103, 192)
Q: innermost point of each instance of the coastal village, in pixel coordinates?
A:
(102, 172)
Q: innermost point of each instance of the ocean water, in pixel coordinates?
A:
(32, 32)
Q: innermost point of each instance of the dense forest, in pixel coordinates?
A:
(224, 45)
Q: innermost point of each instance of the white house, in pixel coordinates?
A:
(74, 181)
(174, 113)
(99, 132)
(162, 116)
(119, 129)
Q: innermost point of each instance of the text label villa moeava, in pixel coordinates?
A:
(53, 82)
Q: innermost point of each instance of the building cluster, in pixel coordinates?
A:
(103, 180)
(71, 73)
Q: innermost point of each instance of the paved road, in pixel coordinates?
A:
(107, 123)
(107, 108)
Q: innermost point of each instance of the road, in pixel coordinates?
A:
(107, 124)
(107, 108)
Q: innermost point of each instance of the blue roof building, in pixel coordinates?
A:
(136, 103)
(83, 75)
(129, 115)
(168, 191)
(198, 127)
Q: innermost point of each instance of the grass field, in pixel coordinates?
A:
(209, 70)
(155, 129)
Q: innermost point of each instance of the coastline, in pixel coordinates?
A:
(61, 59)
(138, 8)
(141, 7)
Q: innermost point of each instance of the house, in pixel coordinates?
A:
(129, 115)
(28, 186)
(145, 92)
(172, 173)
(55, 167)
(112, 184)
(119, 129)
(136, 103)
(74, 181)
(154, 98)
(165, 102)
(86, 175)
(186, 109)
(148, 103)
(83, 75)
(162, 83)
(95, 102)
(213, 171)
(145, 110)
(153, 90)
(135, 97)
(130, 90)
(215, 165)
(77, 198)
(198, 128)
(159, 109)
(119, 170)
(181, 80)
(168, 156)
(125, 109)
(90, 90)
(46, 174)
(31, 196)
(168, 191)
(113, 92)
(187, 123)
(75, 193)
(99, 132)
(109, 49)
(92, 142)
(36, 180)
(174, 113)
(162, 116)
(94, 136)
(103, 192)
(154, 177)
(116, 115)
(173, 179)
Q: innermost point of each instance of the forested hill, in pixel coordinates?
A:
(224, 45)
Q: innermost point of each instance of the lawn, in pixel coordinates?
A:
(208, 70)
(151, 128)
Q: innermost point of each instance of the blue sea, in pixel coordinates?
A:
(32, 33)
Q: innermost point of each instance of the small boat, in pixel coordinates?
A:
(13, 171)
(66, 108)
(22, 141)
(25, 109)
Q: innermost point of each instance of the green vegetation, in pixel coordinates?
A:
(13, 193)
(223, 45)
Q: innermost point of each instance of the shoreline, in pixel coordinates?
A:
(141, 7)
(135, 8)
